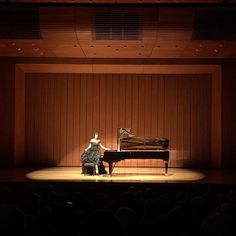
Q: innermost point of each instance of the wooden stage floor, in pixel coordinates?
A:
(120, 175)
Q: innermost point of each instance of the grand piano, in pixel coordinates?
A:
(130, 146)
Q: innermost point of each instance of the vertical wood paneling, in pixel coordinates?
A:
(229, 116)
(50, 119)
(64, 111)
(83, 113)
(76, 120)
(37, 91)
(7, 110)
(70, 119)
(147, 111)
(135, 112)
(63, 121)
(28, 118)
(170, 114)
(44, 116)
(108, 114)
(184, 119)
(128, 106)
(57, 120)
(102, 109)
(115, 104)
(90, 124)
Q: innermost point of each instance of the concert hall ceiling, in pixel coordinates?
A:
(98, 29)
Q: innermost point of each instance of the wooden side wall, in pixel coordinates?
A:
(7, 80)
(229, 116)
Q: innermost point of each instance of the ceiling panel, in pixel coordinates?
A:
(210, 49)
(116, 49)
(166, 32)
(58, 23)
(32, 48)
(169, 48)
(175, 24)
(67, 50)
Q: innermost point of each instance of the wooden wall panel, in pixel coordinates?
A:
(7, 71)
(229, 116)
(64, 110)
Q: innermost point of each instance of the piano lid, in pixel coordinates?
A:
(123, 133)
(128, 141)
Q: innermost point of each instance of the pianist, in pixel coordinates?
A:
(92, 154)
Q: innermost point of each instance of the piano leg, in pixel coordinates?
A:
(110, 167)
(166, 167)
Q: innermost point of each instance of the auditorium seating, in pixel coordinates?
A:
(137, 209)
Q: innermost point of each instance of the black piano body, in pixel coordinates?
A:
(130, 146)
(113, 156)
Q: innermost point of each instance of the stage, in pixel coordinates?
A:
(120, 175)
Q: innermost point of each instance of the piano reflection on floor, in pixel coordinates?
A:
(130, 146)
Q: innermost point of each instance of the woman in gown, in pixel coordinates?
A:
(92, 154)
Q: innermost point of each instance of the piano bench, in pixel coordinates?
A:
(90, 168)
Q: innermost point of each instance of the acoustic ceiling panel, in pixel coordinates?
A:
(19, 23)
(58, 23)
(67, 50)
(117, 25)
(215, 24)
(167, 32)
(175, 23)
(169, 48)
(210, 49)
(116, 49)
(109, 23)
(27, 48)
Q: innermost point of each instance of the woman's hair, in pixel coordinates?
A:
(96, 133)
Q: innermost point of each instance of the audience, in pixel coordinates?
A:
(43, 209)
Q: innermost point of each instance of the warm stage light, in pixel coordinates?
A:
(120, 175)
